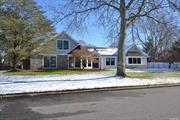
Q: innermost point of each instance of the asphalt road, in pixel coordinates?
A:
(139, 104)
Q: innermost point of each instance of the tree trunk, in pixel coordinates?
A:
(13, 66)
(13, 63)
(121, 44)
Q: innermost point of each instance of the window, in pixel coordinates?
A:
(134, 60)
(89, 62)
(46, 61)
(60, 44)
(110, 61)
(139, 60)
(130, 60)
(53, 61)
(63, 44)
(66, 45)
(49, 61)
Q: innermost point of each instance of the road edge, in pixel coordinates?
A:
(45, 93)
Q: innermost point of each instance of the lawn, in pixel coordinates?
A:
(134, 74)
(150, 75)
(60, 72)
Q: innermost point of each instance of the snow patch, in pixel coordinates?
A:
(24, 84)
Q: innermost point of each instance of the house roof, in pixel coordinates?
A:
(113, 51)
(104, 51)
(109, 51)
(64, 33)
(135, 47)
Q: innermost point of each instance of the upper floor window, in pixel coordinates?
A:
(63, 44)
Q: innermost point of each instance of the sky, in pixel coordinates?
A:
(95, 35)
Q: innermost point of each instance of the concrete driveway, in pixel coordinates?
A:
(139, 104)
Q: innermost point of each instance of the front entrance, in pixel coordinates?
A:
(83, 63)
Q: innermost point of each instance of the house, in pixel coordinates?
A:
(64, 52)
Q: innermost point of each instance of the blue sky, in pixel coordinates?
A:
(95, 35)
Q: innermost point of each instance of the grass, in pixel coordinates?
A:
(139, 75)
(150, 75)
(61, 72)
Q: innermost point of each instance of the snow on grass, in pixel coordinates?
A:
(24, 84)
(150, 70)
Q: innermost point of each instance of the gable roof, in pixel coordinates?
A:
(49, 43)
(67, 35)
(134, 47)
(104, 51)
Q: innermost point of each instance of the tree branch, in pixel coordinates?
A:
(129, 4)
(132, 18)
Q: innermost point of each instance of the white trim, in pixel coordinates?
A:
(50, 55)
(127, 60)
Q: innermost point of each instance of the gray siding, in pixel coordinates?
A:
(62, 62)
(72, 43)
(36, 62)
(134, 53)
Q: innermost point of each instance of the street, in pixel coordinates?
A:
(137, 104)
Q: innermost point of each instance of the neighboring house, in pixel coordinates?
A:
(58, 54)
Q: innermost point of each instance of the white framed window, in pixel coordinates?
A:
(63, 44)
(133, 60)
(110, 61)
(50, 62)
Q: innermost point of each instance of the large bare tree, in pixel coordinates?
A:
(156, 37)
(116, 16)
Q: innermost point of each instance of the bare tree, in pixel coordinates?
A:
(174, 4)
(116, 16)
(157, 37)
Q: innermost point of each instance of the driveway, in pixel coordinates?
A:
(139, 104)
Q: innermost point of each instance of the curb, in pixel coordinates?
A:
(44, 93)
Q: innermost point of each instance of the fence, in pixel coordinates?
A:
(175, 66)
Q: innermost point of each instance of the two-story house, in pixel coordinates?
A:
(58, 53)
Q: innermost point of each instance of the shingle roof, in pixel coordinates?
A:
(113, 51)
(106, 51)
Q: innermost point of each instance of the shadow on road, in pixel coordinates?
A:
(20, 111)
